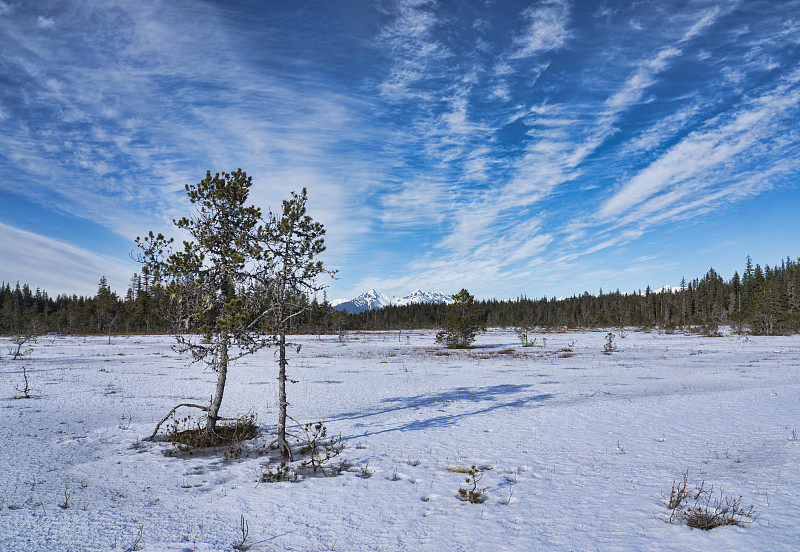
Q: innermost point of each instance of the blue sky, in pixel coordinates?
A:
(539, 148)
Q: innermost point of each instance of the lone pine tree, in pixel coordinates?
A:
(462, 322)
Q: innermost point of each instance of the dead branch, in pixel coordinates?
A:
(26, 389)
(171, 412)
(245, 527)
(188, 405)
(135, 546)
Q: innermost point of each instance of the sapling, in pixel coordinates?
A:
(26, 388)
(473, 495)
(19, 341)
(319, 447)
(609, 347)
(522, 334)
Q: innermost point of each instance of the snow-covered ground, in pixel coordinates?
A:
(579, 447)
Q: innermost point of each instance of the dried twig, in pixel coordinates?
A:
(135, 546)
(65, 505)
(26, 390)
(245, 527)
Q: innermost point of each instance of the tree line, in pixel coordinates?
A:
(144, 309)
(765, 300)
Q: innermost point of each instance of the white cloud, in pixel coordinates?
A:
(643, 78)
(57, 267)
(545, 30)
(722, 142)
(707, 19)
(43, 22)
(416, 54)
(500, 92)
(664, 129)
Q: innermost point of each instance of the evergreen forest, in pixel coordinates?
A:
(760, 300)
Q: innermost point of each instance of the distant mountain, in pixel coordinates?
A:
(374, 300)
(371, 300)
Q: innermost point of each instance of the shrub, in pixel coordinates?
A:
(191, 434)
(473, 495)
(281, 473)
(609, 346)
(462, 322)
(700, 509)
(319, 448)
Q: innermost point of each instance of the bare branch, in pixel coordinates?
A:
(171, 412)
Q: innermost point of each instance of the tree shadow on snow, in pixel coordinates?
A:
(491, 394)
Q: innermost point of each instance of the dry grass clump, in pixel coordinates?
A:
(457, 469)
(700, 509)
(224, 435)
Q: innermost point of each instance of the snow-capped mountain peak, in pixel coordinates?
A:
(374, 299)
(419, 296)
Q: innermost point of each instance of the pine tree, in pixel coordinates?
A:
(289, 268)
(205, 282)
(462, 322)
(104, 303)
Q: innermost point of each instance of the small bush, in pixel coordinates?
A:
(319, 448)
(281, 473)
(700, 509)
(190, 433)
(716, 512)
(609, 346)
(709, 328)
(473, 495)
(364, 472)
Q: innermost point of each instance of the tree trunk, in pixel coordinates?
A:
(222, 374)
(283, 446)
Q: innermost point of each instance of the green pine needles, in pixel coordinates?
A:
(475, 494)
(238, 281)
(462, 322)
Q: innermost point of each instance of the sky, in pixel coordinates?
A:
(512, 148)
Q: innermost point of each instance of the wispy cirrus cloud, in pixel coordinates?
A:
(563, 139)
(546, 28)
(416, 55)
(132, 103)
(663, 130)
(56, 266)
(687, 168)
(482, 144)
(706, 20)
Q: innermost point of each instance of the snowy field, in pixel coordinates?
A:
(580, 447)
